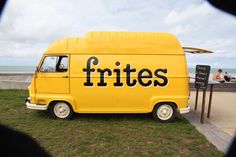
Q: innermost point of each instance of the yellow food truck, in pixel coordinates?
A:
(112, 72)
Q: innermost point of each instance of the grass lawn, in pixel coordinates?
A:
(103, 135)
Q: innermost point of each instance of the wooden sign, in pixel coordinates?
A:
(202, 76)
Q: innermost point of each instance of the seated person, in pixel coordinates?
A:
(227, 77)
(217, 76)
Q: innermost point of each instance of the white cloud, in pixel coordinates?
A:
(28, 27)
(187, 13)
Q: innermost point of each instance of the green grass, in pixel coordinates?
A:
(103, 135)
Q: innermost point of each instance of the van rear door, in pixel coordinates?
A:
(53, 75)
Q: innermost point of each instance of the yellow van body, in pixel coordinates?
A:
(131, 73)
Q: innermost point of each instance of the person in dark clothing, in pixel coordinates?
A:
(227, 77)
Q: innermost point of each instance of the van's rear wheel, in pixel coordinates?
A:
(61, 110)
(164, 112)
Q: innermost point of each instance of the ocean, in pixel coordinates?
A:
(30, 69)
(15, 69)
(230, 71)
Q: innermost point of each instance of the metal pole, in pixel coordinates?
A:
(203, 105)
(210, 100)
(196, 99)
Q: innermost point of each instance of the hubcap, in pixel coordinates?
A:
(61, 110)
(164, 112)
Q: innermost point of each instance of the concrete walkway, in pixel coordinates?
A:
(214, 135)
(15, 80)
(220, 128)
(223, 111)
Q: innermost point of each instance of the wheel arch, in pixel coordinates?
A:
(164, 102)
(52, 102)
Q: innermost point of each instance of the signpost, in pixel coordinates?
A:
(201, 82)
(202, 76)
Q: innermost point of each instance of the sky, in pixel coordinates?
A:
(27, 28)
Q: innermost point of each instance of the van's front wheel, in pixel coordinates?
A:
(61, 110)
(164, 112)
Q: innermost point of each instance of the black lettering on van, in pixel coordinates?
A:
(128, 71)
(144, 77)
(141, 76)
(165, 80)
(89, 70)
(118, 82)
(102, 73)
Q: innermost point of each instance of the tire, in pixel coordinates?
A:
(61, 110)
(164, 112)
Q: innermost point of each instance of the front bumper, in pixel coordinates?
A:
(35, 106)
(184, 110)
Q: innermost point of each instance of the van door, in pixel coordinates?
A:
(53, 75)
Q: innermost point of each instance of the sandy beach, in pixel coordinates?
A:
(223, 111)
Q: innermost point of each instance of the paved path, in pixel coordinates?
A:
(214, 135)
(220, 128)
(223, 110)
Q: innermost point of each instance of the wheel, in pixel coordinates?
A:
(164, 112)
(61, 110)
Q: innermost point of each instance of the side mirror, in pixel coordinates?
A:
(35, 72)
(61, 66)
(37, 69)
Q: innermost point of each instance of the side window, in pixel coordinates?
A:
(49, 64)
(62, 64)
(54, 64)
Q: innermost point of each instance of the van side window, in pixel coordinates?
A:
(62, 64)
(54, 64)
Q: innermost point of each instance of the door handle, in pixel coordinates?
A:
(65, 76)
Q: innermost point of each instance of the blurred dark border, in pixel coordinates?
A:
(225, 5)
(2, 4)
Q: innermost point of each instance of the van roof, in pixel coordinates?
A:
(118, 43)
